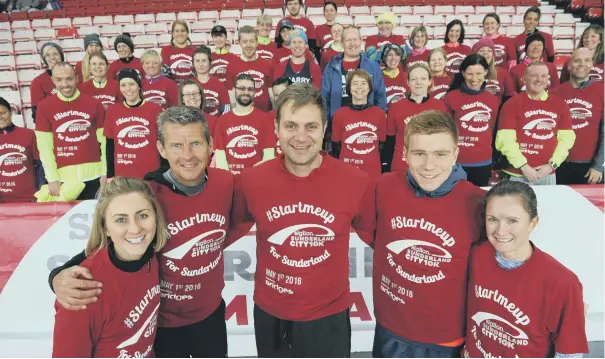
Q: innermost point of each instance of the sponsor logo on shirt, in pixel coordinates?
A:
(156, 96)
(475, 121)
(182, 66)
(580, 112)
(493, 87)
(410, 64)
(441, 90)
(259, 81)
(106, 100)
(265, 54)
(242, 146)
(134, 136)
(542, 128)
(362, 142)
(596, 74)
(211, 101)
(396, 93)
(75, 130)
(500, 53)
(219, 66)
(12, 164)
(454, 60)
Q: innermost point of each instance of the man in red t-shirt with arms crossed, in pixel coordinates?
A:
(304, 204)
(427, 219)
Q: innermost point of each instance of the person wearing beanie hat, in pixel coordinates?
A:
(131, 130)
(531, 21)
(454, 46)
(499, 81)
(22, 172)
(221, 57)
(92, 44)
(297, 19)
(395, 80)
(282, 39)
(375, 44)
(178, 56)
(100, 86)
(125, 48)
(535, 46)
(43, 85)
(298, 68)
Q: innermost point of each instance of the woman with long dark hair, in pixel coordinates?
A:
(215, 93)
(474, 110)
(531, 21)
(499, 82)
(456, 50)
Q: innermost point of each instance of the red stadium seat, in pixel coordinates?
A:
(37, 15)
(560, 60)
(274, 4)
(4, 17)
(20, 15)
(434, 2)
(374, 2)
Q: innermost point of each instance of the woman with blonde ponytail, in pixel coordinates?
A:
(179, 54)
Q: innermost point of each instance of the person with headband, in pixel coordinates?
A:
(584, 96)
(536, 301)
(92, 44)
(131, 130)
(418, 81)
(299, 21)
(591, 39)
(359, 130)
(282, 51)
(244, 136)
(395, 80)
(69, 135)
(266, 47)
(100, 86)
(43, 86)
(324, 31)
(298, 67)
(535, 130)
(531, 20)
(221, 56)
(252, 64)
(178, 55)
(22, 172)
(441, 79)
(376, 44)
(427, 219)
(535, 50)
(454, 46)
(474, 110)
(505, 52)
(499, 82)
(419, 53)
(216, 96)
(335, 46)
(158, 89)
(125, 48)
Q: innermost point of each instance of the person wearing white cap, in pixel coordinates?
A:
(298, 68)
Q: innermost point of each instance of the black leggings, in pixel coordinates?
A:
(573, 173)
(479, 176)
(328, 337)
(90, 190)
(204, 339)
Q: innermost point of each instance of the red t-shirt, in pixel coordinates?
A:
(266, 51)
(475, 117)
(398, 116)
(314, 69)
(18, 150)
(74, 127)
(215, 96)
(440, 86)
(179, 60)
(162, 91)
(272, 117)
(243, 138)
(596, 73)
(505, 51)
(283, 54)
(324, 36)
(531, 311)
(191, 263)
(536, 123)
(414, 59)
(121, 324)
(455, 56)
(135, 134)
(359, 133)
(219, 65)
(41, 87)
(397, 88)
(119, 65)
(519, 43)
(377, 41)
(108, 95)
(212, 121)
(302, 23)
(350, 65)
(79, 72)
(586, 107)
(421, 258)
(261, 71)
(326, 57)
(303, 225)
(502, 86)
(518, 71)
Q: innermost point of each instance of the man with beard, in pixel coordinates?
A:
(244, 136)
(252, 64)
(197, 204)
(304, 204)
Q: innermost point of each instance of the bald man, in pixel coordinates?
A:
(584, 96)
(69, 135)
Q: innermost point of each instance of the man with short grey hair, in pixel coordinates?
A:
(197, 205)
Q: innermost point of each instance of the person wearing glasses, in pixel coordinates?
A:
(192, 94)
(245, 136)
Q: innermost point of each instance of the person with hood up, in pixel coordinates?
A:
(125, 48)
(43, 86)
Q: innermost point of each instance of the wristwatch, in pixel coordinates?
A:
(553, 165)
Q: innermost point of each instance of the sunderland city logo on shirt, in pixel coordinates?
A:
(242, 146)
(156, 96)
(580, 112)
(454, 59)
(363, 141)
(74, 130)
(147, 328)
(493, 87)
(12, 164)
(541, 128)
(133, 136)
(397, 93)
(182, 66)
